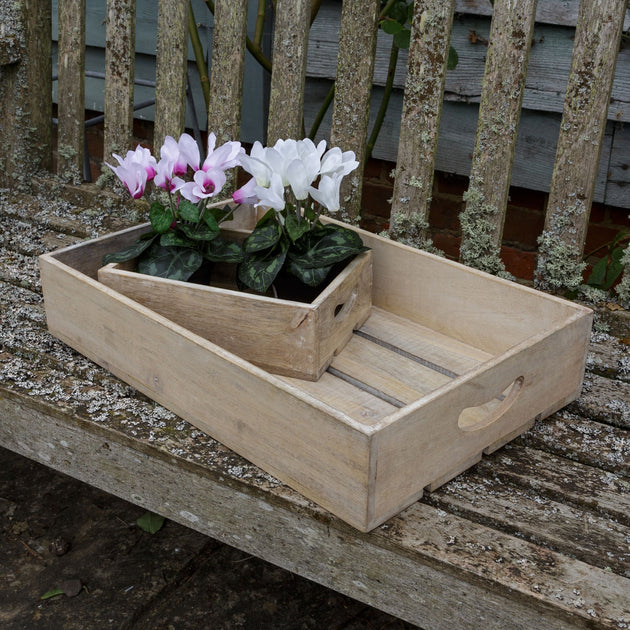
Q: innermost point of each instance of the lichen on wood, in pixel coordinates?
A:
(499, 115)
(71, 92)
(26, 91)
(412, 229)
(290, 45)
(353, 87)
(119, 75)
(623, 288)
(479, 248)
(170, 69)
(595, 51)
(422, 107)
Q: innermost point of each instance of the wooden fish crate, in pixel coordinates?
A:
(450, 364)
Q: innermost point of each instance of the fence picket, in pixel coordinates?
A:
(170, 69)
(290, 45)
(420, 122)
(71, 92)
(119, 72)
(499, 114)
(228, 66)
(595, 49)
(351, 108)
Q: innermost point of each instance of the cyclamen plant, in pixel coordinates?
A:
(185, 227)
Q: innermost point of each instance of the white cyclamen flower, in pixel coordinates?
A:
(327, 194)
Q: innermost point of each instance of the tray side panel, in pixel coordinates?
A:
(424, 446)
(463, 303)
(256, 415)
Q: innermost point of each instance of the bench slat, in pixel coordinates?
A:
(120, 34)
(422, 108)
(499, 114)
(228, 65)
(170, 69)
(597, 38)
(71, 93)
(290, 45)
(355, 67)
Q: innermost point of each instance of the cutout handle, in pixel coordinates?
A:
(342, 309)
(475, 418)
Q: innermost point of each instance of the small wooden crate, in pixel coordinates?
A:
(450, 364)
(282, 336)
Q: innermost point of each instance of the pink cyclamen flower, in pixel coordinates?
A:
(224, 157)
(205, 184)
(181, 153)
(132, 174)
(246, 193)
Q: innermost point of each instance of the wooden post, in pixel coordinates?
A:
(499, 114)
(120, 35)
(25, 90)
(170, 70)
(228, 66)
(290, 44)
(71, 92)
(420, 121)
(595, 51)
(353, 87)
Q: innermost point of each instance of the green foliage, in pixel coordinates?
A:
(609, 269)
(304, 248)
(176, 263)
(150, 522)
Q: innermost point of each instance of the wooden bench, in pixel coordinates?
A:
(535, 535)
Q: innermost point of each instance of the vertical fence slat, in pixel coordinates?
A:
(290, 46)
(120, 38)
(170, 70)
(353, 87)
(420, 121)
(228, 66)
(71, 92)
(25, 90)
(595, 51)
(499, 114)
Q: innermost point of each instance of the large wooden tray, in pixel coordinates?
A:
(450, 364)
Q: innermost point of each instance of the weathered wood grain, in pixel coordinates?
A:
(290, 47)
(452, 564)
(422, 108)
(499, 115)
(228, 66)
(71, 100)
(119, 75)
(170, 70)
(584, 117)
(355, 67)
(25, 91)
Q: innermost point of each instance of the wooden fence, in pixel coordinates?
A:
(25, 102)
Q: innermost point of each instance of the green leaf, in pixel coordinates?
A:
(222, 250)
(133, 251)
(331, 245)
(453, 59)
(264, 236)
(403, 39)
(391, 27)
(150, 522)
(259, 270)
(598, 275)
(175, 238)
(202, 232)
(176, 263)
(220, 214)
(161, 218)
(53, 592)
(311, 276)
(294, 228)
(188, 211)
(210, 220)
(399, 11)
